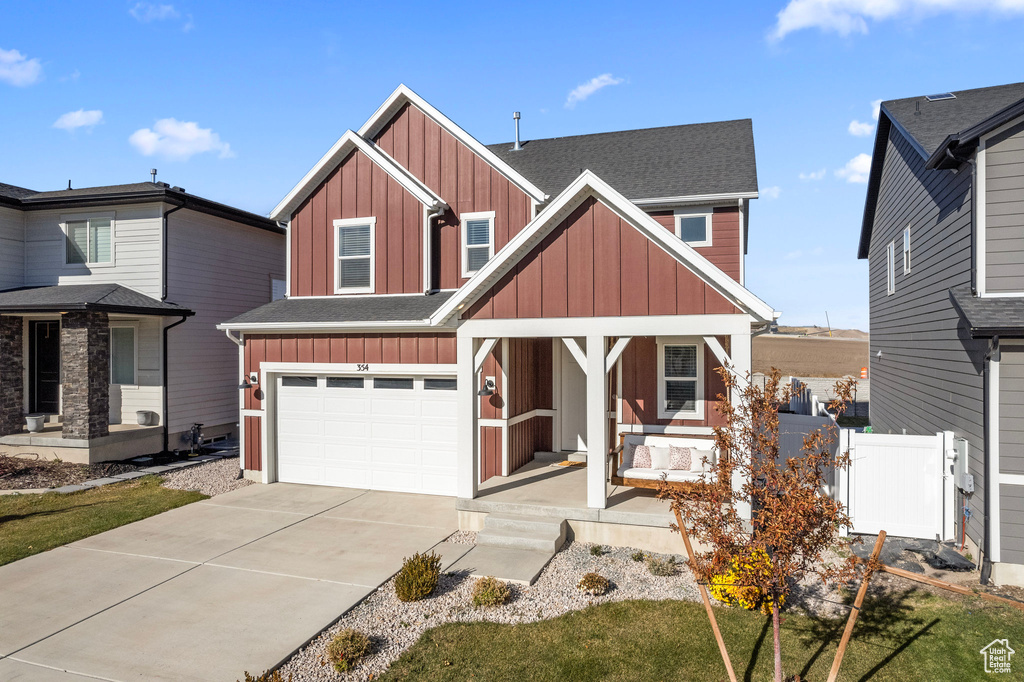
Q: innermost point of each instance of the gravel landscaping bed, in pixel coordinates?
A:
(212, 478)
(394, 626)
(27, 472)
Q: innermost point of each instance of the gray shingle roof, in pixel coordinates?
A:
(987, 317)
(131, 188)
(368, 309)
(101, 297)
(930, 122)
(14, 192)
(683, 160)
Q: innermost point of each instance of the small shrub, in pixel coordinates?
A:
(662, 567)
(347, 648)
(267, 676)
(596, 550)
(418, 577)
(490, 592)
(637, 556)
(725, 589)
(593, 584)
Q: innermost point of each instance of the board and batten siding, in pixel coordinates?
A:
(12, 248)
(136, 246)
(595, 264)
(930, 376)
(1004, 211)
(724, 251)
(358, 188)
(219, 269)
(466, 182)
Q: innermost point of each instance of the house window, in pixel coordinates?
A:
(354, 255)
(693, 226)
(680, 379)
(477, 241)
(890, 269)
(123, 356)
(906, 251)
(89, 241)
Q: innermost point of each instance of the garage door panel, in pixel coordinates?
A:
(437, 433)
(395, 454)
(338, 453)
(300, 400)
(395, 431)
(391, 407)
(438, 409)
(345, 429)
(345, 405)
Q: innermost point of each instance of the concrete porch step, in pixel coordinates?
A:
(536, 533)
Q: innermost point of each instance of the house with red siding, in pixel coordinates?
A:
(454, 309)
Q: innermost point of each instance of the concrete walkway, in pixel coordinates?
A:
(206, 591)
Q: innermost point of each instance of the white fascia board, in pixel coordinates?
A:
(695, 199)
(588, 184)
(403, 94)
(368, 369)
(345, 145)
(726, 324)
(297, 327)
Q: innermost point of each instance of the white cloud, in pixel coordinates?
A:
(189, 24)
(771, 192)
(581, 92)
(79, 119)
(17, 69)
(856, 169)
(813, 175)
(147, 12)
(179, 140)
(851, 16)
(858, 129)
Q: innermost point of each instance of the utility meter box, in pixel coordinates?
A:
(963, 480)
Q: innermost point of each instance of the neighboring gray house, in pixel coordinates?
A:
(109, 297)
(943, 232)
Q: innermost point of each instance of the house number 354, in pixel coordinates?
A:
(362, 368)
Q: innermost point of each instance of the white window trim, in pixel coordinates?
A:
(890, 268)
(134, 326)
(78, 217)
(349, 222)
(483, 215)
(697, 341)
(680, 213)
(906, 251)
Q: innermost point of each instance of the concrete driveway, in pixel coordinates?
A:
(204, 592)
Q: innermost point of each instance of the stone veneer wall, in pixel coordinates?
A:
(85, 363)
(12, 389)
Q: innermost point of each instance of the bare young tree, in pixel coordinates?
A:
(794, 523)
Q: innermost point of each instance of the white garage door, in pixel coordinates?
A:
(379, 433)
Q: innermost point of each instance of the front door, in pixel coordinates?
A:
(573, 405)
(44, 366)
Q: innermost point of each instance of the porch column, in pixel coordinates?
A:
(12, 389)
(739, 345)
(597, 423)
(85, 366)
(468, 463)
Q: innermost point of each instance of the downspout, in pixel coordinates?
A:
(166, 427)
(974, 224)
(163, 252)
(428, 218)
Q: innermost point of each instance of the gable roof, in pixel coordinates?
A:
(404, 95)
(340, 312)
(586, 185)
(345, 145)
(110, 298)
(944, 133)
(683, 161)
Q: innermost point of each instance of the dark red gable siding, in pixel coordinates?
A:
(724, 251)
(594, 264)
(358, 188)
(466, 182)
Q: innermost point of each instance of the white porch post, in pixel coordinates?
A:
(740, 350)
(468, 476)
(597, 423)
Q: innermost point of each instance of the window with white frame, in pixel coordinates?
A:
(680, 378)
(477, 241)
(123, 355)
(354, 249)
(693, 226)
(89, 242)
(906, 251)
(890, 269)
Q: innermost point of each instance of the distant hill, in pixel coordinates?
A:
(810, 352)
(824, 331)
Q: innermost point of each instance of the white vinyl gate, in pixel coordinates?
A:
(897, 483)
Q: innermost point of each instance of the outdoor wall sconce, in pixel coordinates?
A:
(244, 385)
(488, 388)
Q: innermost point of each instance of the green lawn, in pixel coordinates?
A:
(34, 523)
(909, 636)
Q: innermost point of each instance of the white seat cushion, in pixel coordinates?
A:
(673, 475)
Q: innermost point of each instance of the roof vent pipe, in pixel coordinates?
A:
(517, 146)
(152, 171)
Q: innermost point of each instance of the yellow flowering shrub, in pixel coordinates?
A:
(738, 586)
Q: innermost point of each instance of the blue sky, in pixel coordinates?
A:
(236, 101)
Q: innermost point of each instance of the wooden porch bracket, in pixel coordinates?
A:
(577, 352)
(616, 352)
(481, 355)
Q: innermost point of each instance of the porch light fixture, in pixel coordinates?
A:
(245, 385)
(488, 388)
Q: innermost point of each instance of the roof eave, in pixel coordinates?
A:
(363, 325)
(874, 180)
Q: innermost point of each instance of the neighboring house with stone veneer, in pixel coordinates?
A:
(109, 297)
(943, 233)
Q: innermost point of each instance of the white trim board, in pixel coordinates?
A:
(572, 327)
(585, 186)
(354, 368)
